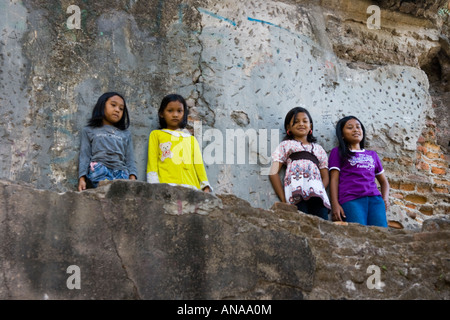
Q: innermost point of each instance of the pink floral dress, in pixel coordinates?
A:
(302, 179)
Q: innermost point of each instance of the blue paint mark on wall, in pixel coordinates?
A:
(212, 14)
(299, 36)
(263, 22)
(270, 24)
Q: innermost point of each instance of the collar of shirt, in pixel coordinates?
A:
(177, 133)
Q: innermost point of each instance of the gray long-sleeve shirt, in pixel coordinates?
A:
(108, 145)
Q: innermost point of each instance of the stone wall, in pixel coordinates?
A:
(241, 66)
(133, 240)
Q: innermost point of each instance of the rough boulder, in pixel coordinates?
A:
(133, 240)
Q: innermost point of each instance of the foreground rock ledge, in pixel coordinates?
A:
(133, 240)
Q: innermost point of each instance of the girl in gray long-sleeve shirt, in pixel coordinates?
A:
(106, 145)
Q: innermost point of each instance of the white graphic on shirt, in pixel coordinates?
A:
(165, 148)
(362, 161)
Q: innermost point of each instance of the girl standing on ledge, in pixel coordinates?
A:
(354, 193)
(306, 175)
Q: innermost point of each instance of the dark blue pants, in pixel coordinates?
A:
(313, 206)
(99, 172)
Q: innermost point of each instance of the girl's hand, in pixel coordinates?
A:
(384, 184)
(207, 189)
(337, 213)
(132, 177)
(386, 203)
(82, 184)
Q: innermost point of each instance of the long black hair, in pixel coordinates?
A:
(98, 113)
(165, 101)
(292, 114)
(344, 150)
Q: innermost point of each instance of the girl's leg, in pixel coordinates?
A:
(356, 210)
(313, 206)
(98, 172)
(120, 174)
(316, 207)
(302, 206)
(377, 212)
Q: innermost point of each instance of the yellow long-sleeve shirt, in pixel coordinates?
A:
(175, 157)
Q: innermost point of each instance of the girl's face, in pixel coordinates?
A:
(352, 132)
(300, 126)
(173, 115)
(114, 107)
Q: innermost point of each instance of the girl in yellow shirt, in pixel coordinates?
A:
(174, 155)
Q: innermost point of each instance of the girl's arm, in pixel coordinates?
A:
(336, 209)
(129, 159)
(384, 184)
(323, 165)
(152, 158)
(325, 177)
(199, 166)
(84, 158)
(275, 180)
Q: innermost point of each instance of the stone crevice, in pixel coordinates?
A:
(116, 250)
(198, 79)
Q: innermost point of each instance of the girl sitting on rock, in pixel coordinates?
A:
(106, 151)
(174, 155)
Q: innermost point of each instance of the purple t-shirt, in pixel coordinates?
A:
(357, 174)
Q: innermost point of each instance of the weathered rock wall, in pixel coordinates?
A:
(417, 168)
(133, 240)
(241, 65)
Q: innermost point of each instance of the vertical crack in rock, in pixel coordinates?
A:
(198, 80)
(135, 287)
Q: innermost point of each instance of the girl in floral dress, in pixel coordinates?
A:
(306, 177)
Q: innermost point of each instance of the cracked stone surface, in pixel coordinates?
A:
(133, 240)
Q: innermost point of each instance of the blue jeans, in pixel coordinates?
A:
(99, 172)
(313, 206)
(368, 211)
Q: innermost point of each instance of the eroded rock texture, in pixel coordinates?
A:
(133, 240)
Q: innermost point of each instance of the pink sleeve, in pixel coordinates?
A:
(279, 155)
(323, 158)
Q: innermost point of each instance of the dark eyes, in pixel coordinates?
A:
(113, 105)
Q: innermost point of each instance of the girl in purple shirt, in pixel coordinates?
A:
(353, 191)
